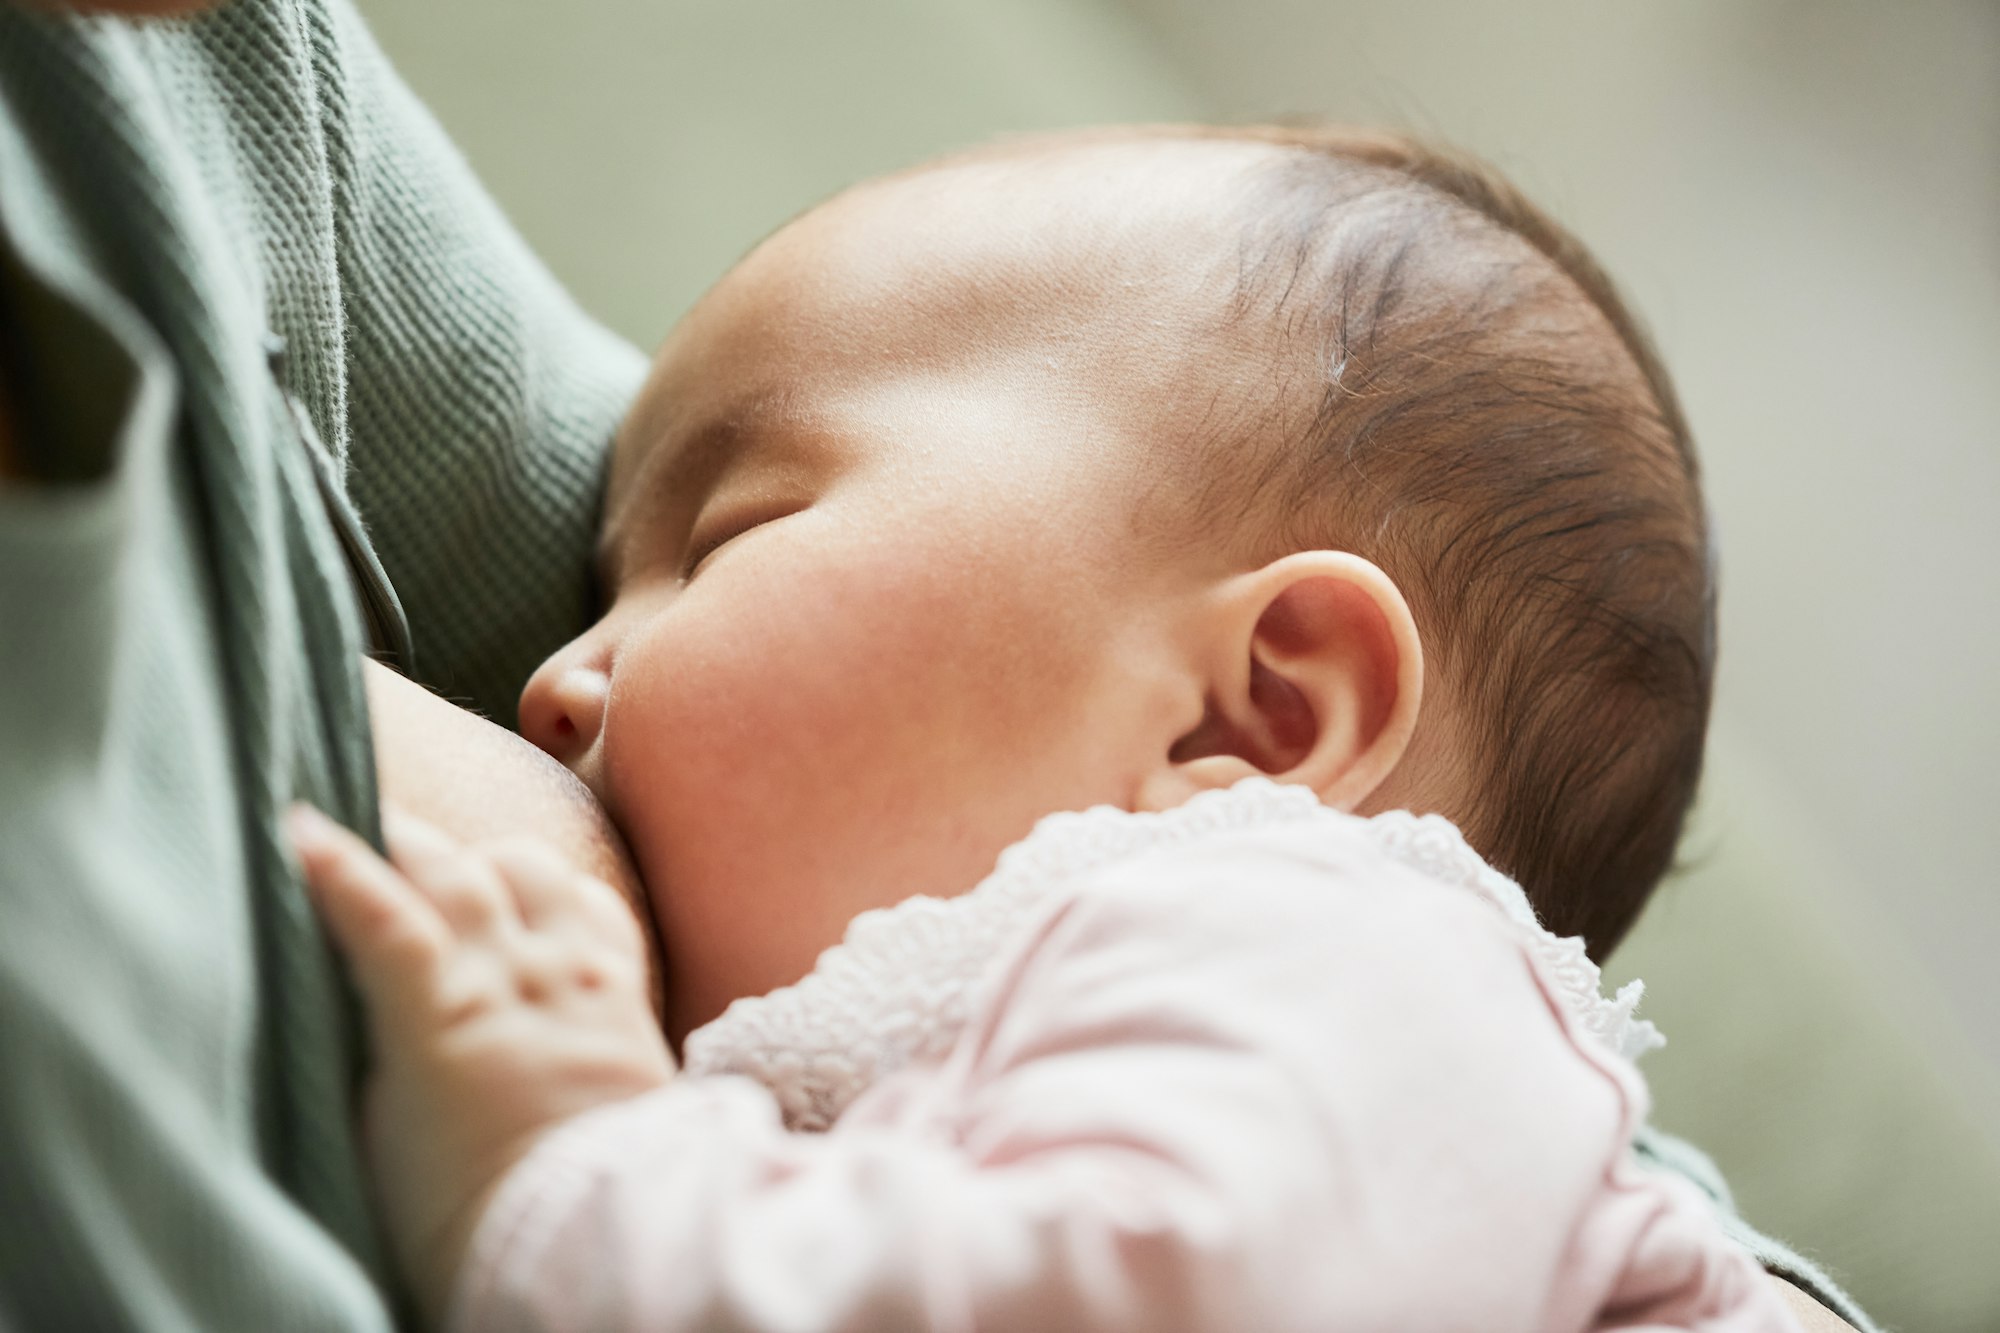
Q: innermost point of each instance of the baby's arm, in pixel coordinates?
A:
(1238, 1089)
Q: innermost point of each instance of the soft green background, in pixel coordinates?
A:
(1805, 198)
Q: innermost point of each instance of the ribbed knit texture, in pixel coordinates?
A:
(178, 644)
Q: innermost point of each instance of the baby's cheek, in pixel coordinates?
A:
(761, 743)
(748, 697)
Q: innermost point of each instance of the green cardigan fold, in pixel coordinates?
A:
(239, 266)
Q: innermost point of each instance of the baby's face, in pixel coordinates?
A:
(884, 552)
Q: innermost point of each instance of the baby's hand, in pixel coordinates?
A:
(506, 992)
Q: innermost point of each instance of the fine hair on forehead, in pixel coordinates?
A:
(1469, 404)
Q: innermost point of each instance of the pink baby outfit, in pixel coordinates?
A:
(1251, 1064)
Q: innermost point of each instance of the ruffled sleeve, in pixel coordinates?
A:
(1217, 1089)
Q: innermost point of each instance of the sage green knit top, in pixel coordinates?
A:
(239, 266)
(264, 335)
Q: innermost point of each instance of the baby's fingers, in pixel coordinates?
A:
(392, 936)
(552, 895)
(460, 887)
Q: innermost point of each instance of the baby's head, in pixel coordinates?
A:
(1110, 468)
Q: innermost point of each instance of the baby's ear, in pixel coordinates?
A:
(1314, 675)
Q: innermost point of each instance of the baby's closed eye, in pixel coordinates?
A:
(710, 536)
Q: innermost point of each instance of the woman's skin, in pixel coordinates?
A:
(484, 786)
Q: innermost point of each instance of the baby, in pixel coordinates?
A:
(1240, 489)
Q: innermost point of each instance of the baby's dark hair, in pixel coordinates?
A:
(1489, 424)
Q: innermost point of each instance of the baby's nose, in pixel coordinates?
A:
(562, 707)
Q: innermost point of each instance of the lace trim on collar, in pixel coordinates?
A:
(898, 989)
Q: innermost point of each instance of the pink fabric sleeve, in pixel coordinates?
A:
(1263, 1084)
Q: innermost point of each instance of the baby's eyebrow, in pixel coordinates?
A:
(701, 453)
(715, 438)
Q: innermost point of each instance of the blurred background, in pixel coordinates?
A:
(1804, 201)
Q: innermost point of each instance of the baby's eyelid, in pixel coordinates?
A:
(701, 549)
(699, 552)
